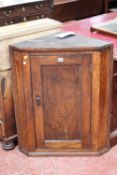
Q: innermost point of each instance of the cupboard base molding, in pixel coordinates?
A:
(45, 152)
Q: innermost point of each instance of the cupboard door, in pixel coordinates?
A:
(61, 95)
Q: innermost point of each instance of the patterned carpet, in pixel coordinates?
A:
(16, 163)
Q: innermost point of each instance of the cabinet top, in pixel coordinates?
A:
(76, 42)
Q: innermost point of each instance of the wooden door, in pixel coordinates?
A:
(62, 100)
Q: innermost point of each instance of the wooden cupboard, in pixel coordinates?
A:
(62, 92)
(65, 10)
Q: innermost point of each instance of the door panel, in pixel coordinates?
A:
(62, 117)
(61, 94)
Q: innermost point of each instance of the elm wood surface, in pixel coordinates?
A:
(25, 12)
(62, 95)
(75, 9)
(83, 27)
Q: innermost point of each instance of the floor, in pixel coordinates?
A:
(16, 163)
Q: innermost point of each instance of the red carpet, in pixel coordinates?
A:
(16, 163)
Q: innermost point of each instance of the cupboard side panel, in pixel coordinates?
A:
(95, 112)
(27, 86)
(19, 101)
(105, 98)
